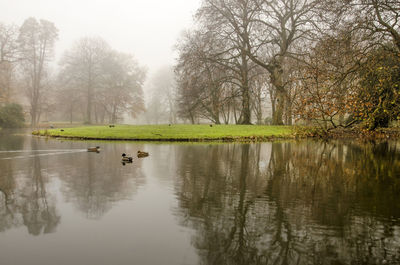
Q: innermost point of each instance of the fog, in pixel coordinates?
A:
(148, 29)
(279, 62)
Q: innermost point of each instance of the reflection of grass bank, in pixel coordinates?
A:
(348, 133)
(173, 132)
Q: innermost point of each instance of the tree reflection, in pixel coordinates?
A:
(38, 206)
(93, 182)
(11, 139)
(7, 204)
(26, 201)
(292, 203)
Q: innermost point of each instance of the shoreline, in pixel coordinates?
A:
(196, 140)
(172, 133)
(134, 133)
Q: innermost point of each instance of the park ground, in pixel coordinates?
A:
(173, 132)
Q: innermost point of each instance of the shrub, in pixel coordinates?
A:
(11, 116)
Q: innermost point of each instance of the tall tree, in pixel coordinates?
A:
(36, 43)
(202, 76)
(230, 23)
(162, 104)
(82, 65)
(108, 82)
(8, 58)
(121, 88)
(278, 26)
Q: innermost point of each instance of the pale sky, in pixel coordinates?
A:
(146, 28)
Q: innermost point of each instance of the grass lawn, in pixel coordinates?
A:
(173, 132)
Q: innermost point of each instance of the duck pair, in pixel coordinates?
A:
(125, 158)
(140, 154)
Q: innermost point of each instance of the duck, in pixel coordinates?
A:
(142, 154)
(94, 149)
(126, 158)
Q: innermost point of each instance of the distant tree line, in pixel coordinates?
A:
(93, 83)
(326, 63)
(161, 102)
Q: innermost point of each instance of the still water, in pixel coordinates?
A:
(303, 202)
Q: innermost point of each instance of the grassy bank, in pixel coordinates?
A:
(173, 132)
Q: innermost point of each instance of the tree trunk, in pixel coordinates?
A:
(89, 99)
(246, 111)
(288, 112)
(38, 114)
(89, 107)
(277, 118)
(70, 114)
(114, 115)
(235, 113)
(33, 118)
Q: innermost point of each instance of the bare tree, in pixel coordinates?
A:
(36, 43)
(230, 23)
(82, 65)
(121, 88)
(8, 57)
(278, 26)
(260, 85)
(109, 82)
(378, 19)
(8, 43)
(258, 33)
(69, 97)
(162, 104)
(207, 81)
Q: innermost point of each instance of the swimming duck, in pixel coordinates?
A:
(126, 158)
(94, 149)
(142, 154)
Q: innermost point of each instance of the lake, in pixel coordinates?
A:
(288, 202)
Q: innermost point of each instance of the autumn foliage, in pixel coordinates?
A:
(377, 99)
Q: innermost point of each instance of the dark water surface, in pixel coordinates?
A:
(301, 202)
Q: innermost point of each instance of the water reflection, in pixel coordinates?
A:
(271, 203)
(292, 203)
(93, 183)
(30, 183)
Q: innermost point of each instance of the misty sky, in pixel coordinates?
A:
(146, 28)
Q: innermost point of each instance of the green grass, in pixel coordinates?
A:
(173, 132)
